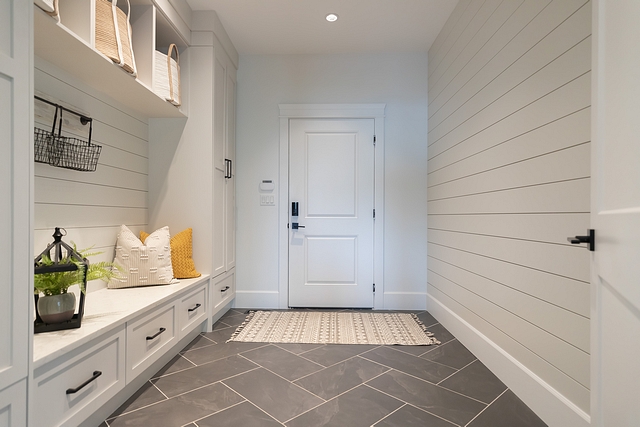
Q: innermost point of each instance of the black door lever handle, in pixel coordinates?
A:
(590, 240)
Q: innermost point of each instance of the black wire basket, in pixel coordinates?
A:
(63, 151)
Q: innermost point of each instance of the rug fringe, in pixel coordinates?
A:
(241, 327)
(432, 339)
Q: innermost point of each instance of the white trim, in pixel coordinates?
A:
(543, 399)
(330, 111)
(257, 299)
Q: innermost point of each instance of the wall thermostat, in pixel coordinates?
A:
(267, 185)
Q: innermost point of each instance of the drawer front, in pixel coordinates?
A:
(13, 405)
(148, 337)
(224, 290)
(192, 310)
(69, 389)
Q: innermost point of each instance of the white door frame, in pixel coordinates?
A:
(330, 111)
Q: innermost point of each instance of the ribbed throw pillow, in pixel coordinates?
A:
(143, 264)
(181, 254)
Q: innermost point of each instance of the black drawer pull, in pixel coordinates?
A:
(226, 288)
(156, 334)
(194, 308)
(95, 376)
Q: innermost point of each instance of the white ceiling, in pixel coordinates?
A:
(299, 26)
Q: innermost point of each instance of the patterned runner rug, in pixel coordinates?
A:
(314, 327)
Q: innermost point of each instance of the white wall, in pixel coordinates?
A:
(509, 168)
(264, 81)
(91, 206)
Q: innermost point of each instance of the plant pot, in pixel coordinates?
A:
(57, 308)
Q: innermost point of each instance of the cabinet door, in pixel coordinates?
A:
(13, 405)
(230, 196)
(16, 168)
(219, 169)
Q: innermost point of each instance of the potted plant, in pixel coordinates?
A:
(58, 305)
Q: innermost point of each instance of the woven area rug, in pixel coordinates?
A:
(314, 327)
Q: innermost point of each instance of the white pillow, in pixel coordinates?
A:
(143, 265)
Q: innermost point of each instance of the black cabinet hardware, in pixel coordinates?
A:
(194, 308)
(590, 240)
(226, 288)
(156, 334)
(95, 376)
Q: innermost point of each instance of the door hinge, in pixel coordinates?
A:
(374, 214)
(374, 288)
(374, 140)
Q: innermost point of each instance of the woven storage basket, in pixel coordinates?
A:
(166, 80)
(49, 6)
(116, 45)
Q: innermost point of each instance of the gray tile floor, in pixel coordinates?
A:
(212, 383)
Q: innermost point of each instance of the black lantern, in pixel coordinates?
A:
(59, 257)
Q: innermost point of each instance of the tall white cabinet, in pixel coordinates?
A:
(15, 210)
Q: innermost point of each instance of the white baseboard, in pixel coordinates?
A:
(405, 301)
(257, 299)
(551, 406)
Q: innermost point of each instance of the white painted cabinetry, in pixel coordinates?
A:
(16, 138)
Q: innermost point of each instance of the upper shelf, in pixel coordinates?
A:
(55, 43)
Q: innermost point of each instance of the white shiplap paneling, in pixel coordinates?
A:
(509, 174)
(91, 206)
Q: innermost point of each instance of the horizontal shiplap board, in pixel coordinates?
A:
(550, 228)
(571, 97)
(458, 21)
(63, 89)
(553, 376)
(526, 27)
(561, 133)
(513, 88)
(104, 175)
(484, 12)
(508, 69)
(566, 68)
(101, 238)
(50, 216)
(569, 359)
(52, 191)
(566, 261)
(568, 196)
(571, 294)
(559, 322)
(558, 166)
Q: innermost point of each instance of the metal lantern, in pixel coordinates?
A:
(64, 258)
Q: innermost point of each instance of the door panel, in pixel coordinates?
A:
(332, 179)
(615, 215)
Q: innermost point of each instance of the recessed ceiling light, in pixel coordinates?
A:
(332, 17)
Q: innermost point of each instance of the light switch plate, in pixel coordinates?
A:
(267, 200)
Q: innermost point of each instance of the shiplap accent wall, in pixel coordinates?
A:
(508, 181)
(91, 206)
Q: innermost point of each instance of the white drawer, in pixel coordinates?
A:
(13, 405)
(224, 290)
(147, 338)
(70, 388)
(192, 309)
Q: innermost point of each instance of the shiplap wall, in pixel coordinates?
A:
(508, 181)
(91, 206)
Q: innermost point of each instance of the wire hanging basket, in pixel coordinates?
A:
(54, 149)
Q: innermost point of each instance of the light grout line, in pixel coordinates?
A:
(426, 360)
(478, 414)
(158, 388)
(390, 413)
(280, 376)
(337, 363)
(411, 404)
(444, 379)
(250, 402)
(297, 355)
(222, 410)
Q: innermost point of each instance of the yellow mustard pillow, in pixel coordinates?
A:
(181, 254)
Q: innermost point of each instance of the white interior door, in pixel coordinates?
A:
(331, 176)
(616, 214)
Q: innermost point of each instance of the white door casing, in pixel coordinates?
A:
(331, 177)
(289, 112)
(615, 214)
